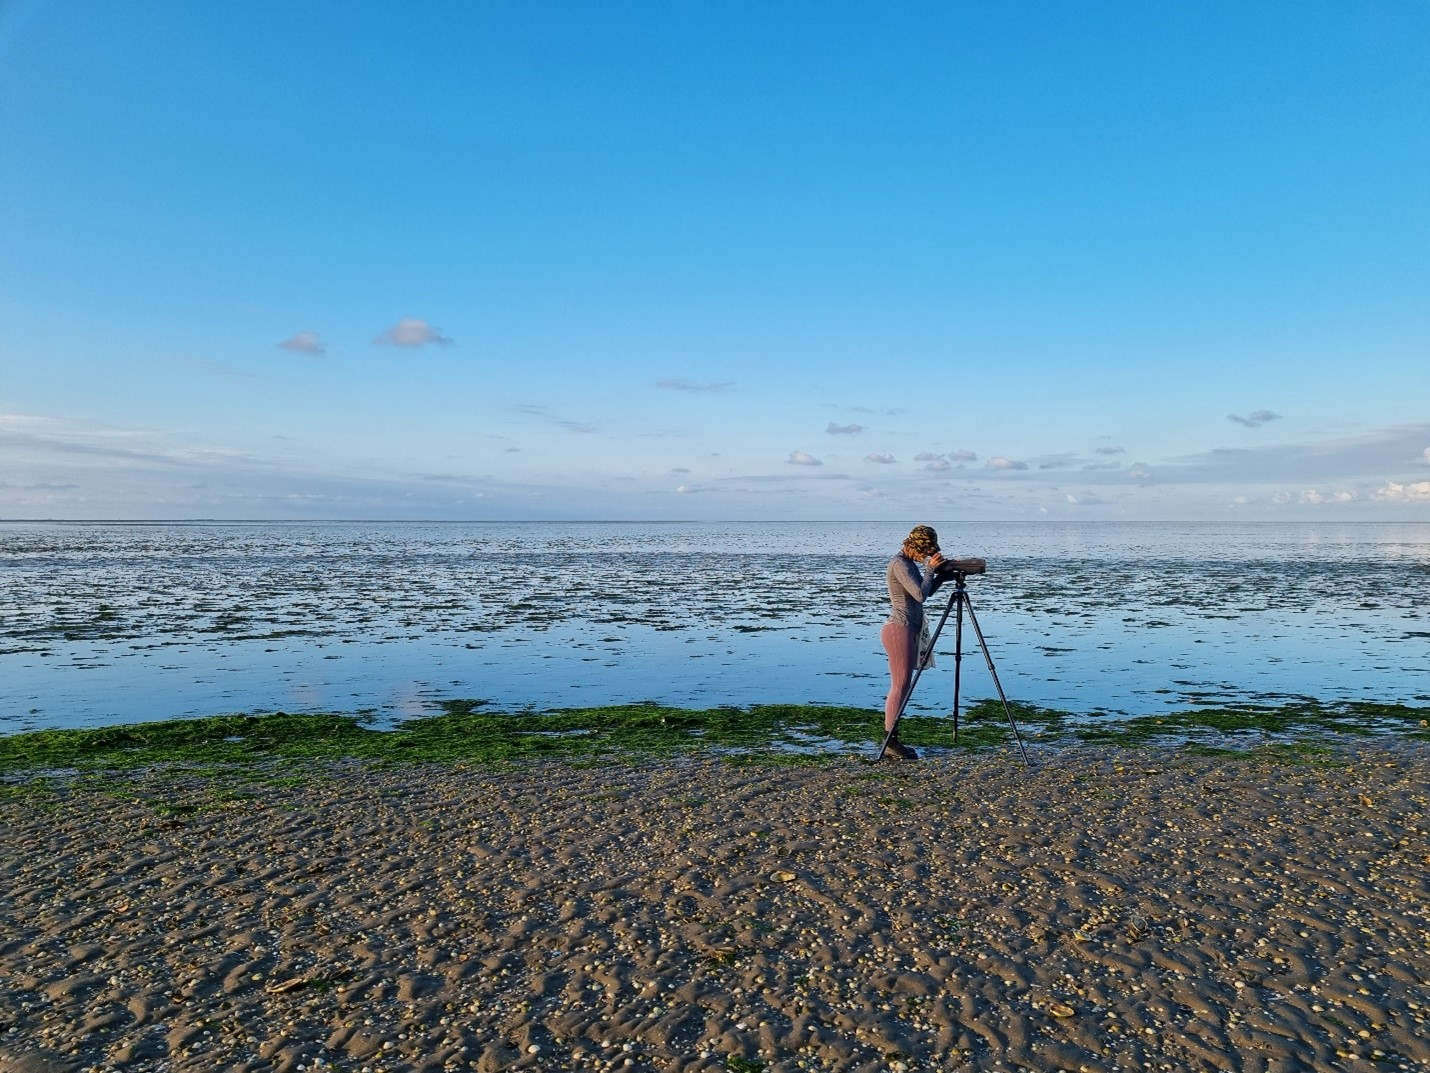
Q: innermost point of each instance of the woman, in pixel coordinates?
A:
(908, 589)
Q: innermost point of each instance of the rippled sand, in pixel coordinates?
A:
(1105, 910)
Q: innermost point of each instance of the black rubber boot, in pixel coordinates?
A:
(898, 750)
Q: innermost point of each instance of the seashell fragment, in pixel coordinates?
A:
(292, 985)
(1060, 1009)
(782, 877)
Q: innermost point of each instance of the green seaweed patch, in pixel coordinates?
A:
(1242, 727)
(984, 725)
(222, 739)
(1290, 753)
(30, 791)
(466, 731)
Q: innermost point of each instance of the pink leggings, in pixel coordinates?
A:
(902, 645)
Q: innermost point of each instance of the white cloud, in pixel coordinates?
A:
(411, 332)
(30, 438)
(926, 456)
(1315, 497)
(843, 430)
(938, 465)
(1378, 455)
(29, 423)
(962, 455)
(1255, 419)
(999, 462)
(304, 342)
(681, 384)
(1114, 464)
(1111, 450)
(1393, 492)
(1425, 460)
(57, 467)
(753, 481)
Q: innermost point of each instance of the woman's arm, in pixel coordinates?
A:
(931, 578)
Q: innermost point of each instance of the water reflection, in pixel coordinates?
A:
(102, 623)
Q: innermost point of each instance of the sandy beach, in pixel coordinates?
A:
(1107, 910)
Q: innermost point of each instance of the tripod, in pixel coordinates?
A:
(960, 600)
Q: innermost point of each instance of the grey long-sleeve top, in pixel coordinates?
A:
(908, 589)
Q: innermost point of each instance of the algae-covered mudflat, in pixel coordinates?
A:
(774, 733)
(104, 624)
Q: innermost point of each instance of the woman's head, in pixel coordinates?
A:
(921, 542)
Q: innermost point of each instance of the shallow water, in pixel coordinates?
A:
(118, 622)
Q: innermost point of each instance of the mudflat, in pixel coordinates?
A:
(1107, 909)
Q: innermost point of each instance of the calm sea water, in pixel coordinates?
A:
(104, 623)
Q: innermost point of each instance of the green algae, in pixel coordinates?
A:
(1259, 725)
(463, 732)
(1301, 725)
(468, 732)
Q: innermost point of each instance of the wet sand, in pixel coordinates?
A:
(1110, 910)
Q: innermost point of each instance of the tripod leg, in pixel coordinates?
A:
(918, 673)
(960, 596)
(993, 671)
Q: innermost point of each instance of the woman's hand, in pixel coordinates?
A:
(935, 560)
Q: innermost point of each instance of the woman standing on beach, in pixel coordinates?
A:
(908, 589)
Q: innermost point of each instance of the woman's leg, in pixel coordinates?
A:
(901, 643)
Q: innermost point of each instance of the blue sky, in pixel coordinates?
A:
(715, 260)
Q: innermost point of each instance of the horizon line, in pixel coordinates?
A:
(703, 521)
